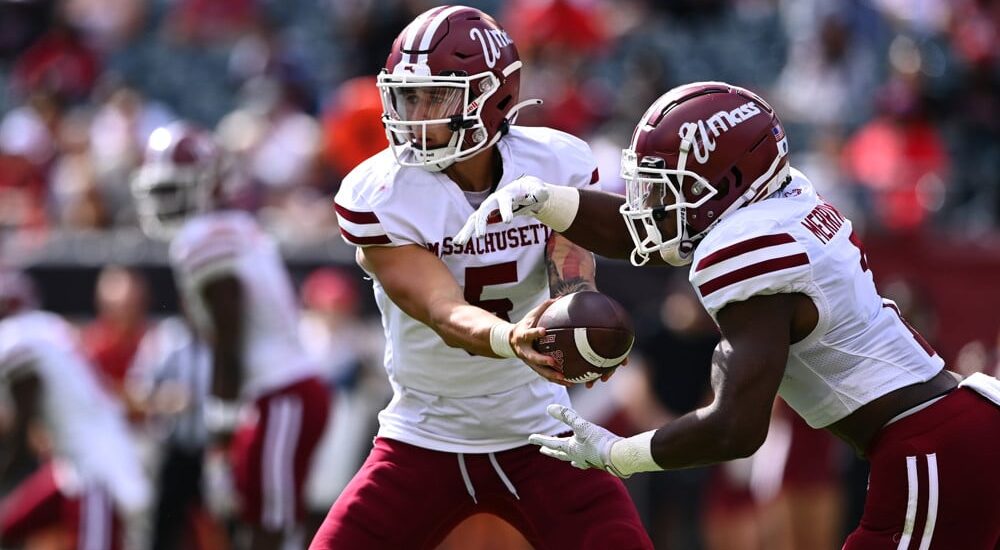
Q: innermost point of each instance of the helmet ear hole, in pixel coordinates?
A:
(722, 186)
(504, 103)
(737, 177)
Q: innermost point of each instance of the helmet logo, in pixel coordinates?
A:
(492, 41)
(716, 125)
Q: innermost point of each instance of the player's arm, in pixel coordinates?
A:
(598, 227)
(421, 285)
(588, 217)
(25, 388)
(223, 297)
(746, 372)
(570, 267)
(747, 368)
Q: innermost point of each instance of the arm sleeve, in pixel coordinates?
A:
(360, 224)
(762, 262)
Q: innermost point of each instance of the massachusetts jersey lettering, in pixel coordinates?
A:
(494, 241)
(220, 244)
(445, 398)
(793, 242)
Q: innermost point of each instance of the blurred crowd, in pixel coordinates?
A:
(891, 106)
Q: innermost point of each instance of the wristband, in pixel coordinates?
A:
(559, 210)
(500, 339)
(633, 454)
(221, 416)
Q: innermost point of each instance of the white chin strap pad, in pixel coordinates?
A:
(673, 256)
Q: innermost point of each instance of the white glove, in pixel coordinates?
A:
(524, 196)
(218, 486)
(588, 447)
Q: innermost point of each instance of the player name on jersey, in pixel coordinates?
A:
(823, 221)
(491, 242)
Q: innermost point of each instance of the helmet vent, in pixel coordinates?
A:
(737, 177)
(504, 103)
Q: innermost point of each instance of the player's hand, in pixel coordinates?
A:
(218, 485)
(522, 339)
(522, 197)
(588, 447)
(607, 376)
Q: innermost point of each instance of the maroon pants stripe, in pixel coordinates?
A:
(935, 480)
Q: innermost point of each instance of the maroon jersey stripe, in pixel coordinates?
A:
(753, 270)
(376, 239)
(355, 216)
(196, 264)
(743, 247)
(595, 177)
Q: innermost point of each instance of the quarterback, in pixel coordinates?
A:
(709, 184)
(453, 441)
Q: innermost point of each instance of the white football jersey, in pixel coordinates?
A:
(231, 243)
(88, 427)
(445, 398)
(794, 242)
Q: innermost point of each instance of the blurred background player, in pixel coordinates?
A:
(708, 183)
(170, 379)
(240, 299)
(451, 443)
(90, 479)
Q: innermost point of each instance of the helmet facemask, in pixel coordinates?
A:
(412, 103)
(167, 195)
(654, 197)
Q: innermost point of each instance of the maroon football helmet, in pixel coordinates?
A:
(700, 152)
(452, 66)
(180, 173)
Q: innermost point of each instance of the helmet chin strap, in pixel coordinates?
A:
(445, 151)
(675, 257)
(682, 253)
(637, 258)
(455, 140)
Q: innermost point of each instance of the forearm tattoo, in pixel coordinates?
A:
(570, 267)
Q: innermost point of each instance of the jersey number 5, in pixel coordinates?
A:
(477, 278)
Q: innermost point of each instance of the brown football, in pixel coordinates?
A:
(588, 333)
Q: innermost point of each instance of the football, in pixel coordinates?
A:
(588, 333)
